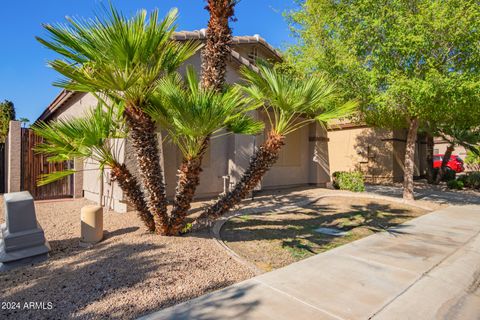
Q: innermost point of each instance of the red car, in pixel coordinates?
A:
(455, 163)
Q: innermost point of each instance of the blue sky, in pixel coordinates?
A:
(27, 81)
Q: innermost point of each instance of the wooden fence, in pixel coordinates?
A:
(34, 164)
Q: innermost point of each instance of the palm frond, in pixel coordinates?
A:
(45, 179)
(292, 102)
(95, 136)
(190, 113)
(122, 57)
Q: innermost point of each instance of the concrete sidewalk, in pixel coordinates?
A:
(428, 268)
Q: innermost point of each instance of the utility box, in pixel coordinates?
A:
(22, 238)
(92, 224)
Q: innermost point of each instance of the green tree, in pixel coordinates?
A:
(124, 59)
(191, 114)
(409, 62)
(289, 104)
(7, 113)
(96, 136)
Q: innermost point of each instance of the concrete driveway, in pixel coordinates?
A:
(428, 268)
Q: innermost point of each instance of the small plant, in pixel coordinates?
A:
(455, 184)
(473, 160)
(471, 180)
(447, 176)
(352, 181)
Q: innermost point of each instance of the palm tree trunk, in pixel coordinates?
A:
(187, 183)
(214, 69)
(129, 184)
(410, 160)
(145, 143)
(216, 51)
(443, 168)
(263, 159)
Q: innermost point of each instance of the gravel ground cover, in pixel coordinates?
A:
(129, 274)
(273, 240)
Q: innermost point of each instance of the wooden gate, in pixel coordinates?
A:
(35, 164)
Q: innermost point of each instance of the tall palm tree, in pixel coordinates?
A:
(124, 59)
(191, 114)
(290, 103)
(97, 136)
(219, 36)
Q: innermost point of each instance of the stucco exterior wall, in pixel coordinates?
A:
(292, 167)
(362, 148)
(77, 106)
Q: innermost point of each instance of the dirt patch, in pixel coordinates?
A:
(129, 274)
(274, 240)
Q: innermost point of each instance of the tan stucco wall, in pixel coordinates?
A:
(366, 149)
(292, 167)
(378, 153)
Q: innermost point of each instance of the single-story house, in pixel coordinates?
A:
(304, 160)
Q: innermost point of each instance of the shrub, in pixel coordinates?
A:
(472, 180)
(472, 161)
(455, 184)
(447, 176)
(352, 181)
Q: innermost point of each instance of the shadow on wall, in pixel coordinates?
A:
(374, 150)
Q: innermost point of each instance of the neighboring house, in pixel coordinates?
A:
(378, 153)
(441, 147)
(303, 160)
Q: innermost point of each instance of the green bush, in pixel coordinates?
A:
(447, 176)
(352, 181)
(455, 184)
(472, 180)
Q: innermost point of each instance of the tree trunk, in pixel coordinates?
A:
(187, 183)
(430, 146)
(443, 168)
(145, 143)
(216, 51)
(261, 161)
(410, 160)
(131, 187)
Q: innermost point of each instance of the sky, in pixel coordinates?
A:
(25, 78)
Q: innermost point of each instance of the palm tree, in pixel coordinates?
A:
(124, 59)
(219, 36)
(191, 114)
(97, 136)
(290, 103)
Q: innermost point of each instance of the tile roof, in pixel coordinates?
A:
(66, 95)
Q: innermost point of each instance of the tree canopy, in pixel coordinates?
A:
(403, 59)
(7, 113)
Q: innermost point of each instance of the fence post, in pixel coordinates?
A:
(78, 178)
(14, 149)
